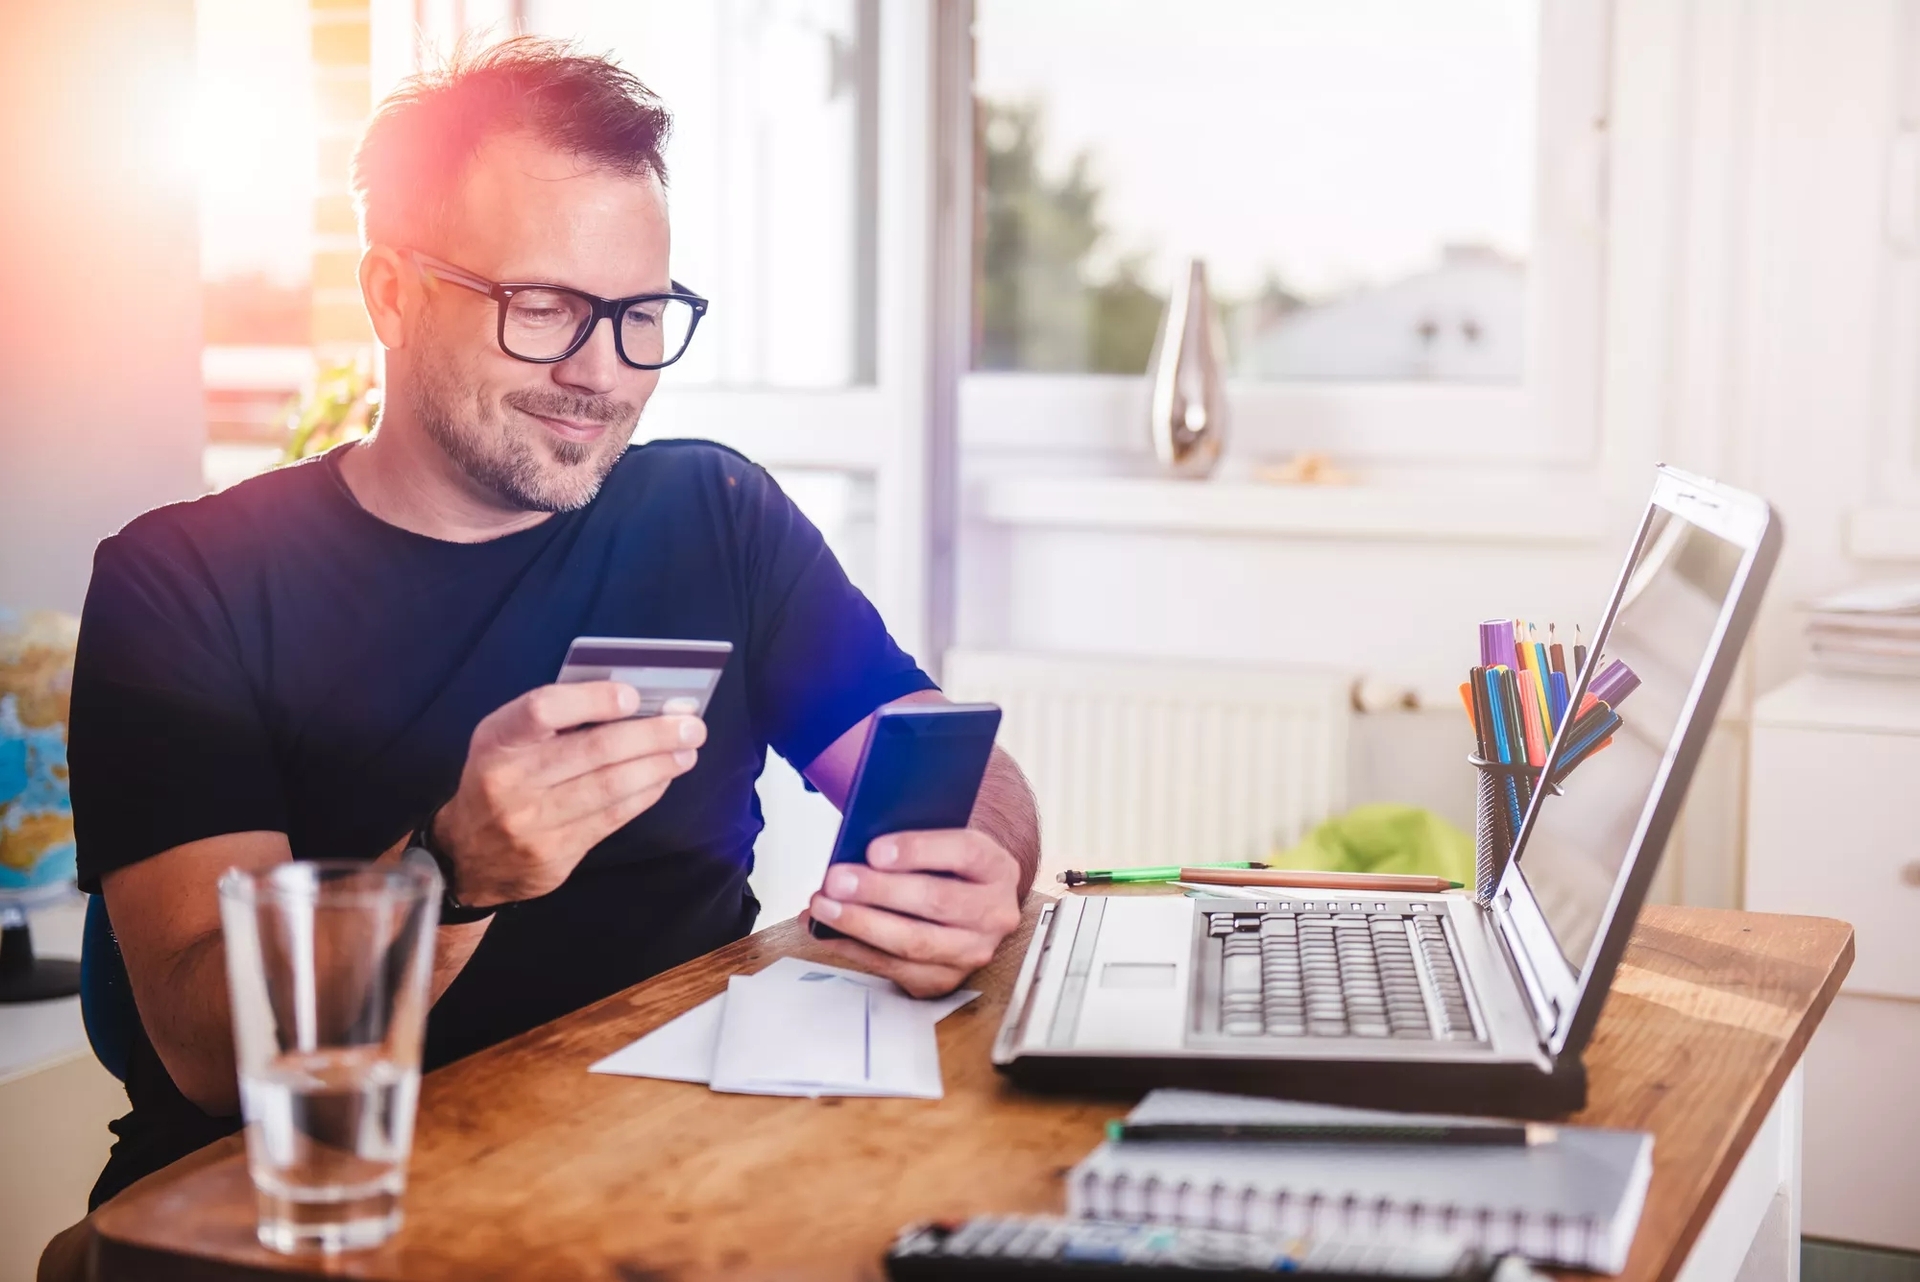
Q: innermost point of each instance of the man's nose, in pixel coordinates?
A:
(595, 368)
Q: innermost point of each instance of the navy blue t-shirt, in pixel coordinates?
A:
(276, 658)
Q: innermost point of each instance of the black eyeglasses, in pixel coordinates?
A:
(548, 323)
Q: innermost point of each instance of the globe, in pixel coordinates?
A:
(36, 815)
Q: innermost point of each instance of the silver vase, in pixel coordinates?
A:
(1189, 407)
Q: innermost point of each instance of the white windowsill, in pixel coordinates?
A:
(1532, 514)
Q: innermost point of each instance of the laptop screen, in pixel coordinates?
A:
(1675, 591)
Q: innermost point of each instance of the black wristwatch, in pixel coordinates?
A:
(452, 911)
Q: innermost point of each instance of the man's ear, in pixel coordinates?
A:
(390, 288)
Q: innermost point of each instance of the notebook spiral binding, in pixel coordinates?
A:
(1576, 1242)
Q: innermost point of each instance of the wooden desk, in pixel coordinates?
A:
(526, 1165)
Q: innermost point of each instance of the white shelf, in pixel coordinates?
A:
(1843, 702)
(1501, 513)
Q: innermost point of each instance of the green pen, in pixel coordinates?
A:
(1120, 876)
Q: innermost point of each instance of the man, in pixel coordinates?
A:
(341, 655)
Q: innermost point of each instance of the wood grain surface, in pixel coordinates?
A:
(528, 1166)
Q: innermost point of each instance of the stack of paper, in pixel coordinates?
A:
(799, 1028)
(1873, 630)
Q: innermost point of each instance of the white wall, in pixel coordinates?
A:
(100, 335)
(1744, 338)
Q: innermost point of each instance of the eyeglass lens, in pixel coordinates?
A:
(541, 324)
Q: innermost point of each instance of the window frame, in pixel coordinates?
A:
(1551, 418)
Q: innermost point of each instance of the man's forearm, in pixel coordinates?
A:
(1005, 811)
(195, 1042)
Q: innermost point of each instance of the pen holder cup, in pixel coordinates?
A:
(1505, 791)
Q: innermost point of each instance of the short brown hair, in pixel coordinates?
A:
(408, 166)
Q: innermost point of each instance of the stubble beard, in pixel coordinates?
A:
(505, 459)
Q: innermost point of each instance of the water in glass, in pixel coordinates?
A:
(328, 1133)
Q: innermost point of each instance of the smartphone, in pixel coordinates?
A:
(670, 676)
(920, 770)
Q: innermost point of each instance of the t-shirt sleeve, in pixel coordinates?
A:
(166, 743)
(819, 658)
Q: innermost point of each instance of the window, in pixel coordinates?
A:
(254, 145)
(1358, 176)
(1398, 202)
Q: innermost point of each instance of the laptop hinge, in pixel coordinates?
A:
(1546, 1012)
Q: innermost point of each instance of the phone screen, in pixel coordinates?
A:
(919, 771)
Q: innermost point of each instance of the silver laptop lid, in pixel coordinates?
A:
(1678, 618)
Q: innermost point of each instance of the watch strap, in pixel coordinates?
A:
(452, 911)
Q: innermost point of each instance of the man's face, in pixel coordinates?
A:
(535, 437)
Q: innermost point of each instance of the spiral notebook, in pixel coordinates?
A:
(1573, 1200)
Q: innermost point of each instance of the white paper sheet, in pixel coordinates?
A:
(903, 1050)
(902, 1054)
(779, 1035)
(680, 1050)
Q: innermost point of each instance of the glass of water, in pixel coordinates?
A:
(328, 965)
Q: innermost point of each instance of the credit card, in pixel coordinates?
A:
(670, 676)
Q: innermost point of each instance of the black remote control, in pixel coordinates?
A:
(1001, 1246)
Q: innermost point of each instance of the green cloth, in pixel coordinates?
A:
(1384, 837)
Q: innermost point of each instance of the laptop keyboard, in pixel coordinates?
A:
(1338, 973)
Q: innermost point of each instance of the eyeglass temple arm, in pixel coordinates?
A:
(452, 275)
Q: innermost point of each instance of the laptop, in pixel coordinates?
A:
(1436, 1002)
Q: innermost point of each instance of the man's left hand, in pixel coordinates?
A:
(924, 931)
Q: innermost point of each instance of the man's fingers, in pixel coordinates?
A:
(541, 713)
(919, 979)
(589, 831)
(944, 900)
(905, 938)
(960, 851)
(609, 789)
(573, 756)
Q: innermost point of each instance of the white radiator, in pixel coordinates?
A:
(1144, 762)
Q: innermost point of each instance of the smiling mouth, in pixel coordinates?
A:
(570, 429)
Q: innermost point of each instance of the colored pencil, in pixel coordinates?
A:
(1516, 738)
(1587, 740)
(1314, 879)
(1517, 727)
(1503, 749)
(1483, 728)
(1537, 656)
(1532, 725)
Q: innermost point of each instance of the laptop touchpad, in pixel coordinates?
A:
(1136, 994)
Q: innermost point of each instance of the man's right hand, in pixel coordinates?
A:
(537, 792)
